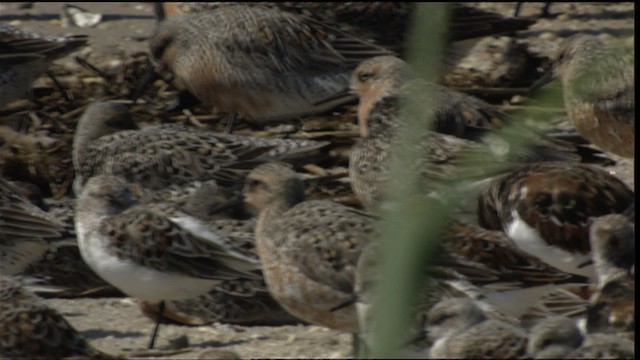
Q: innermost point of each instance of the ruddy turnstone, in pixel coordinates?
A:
(546, 209)
(475, 263)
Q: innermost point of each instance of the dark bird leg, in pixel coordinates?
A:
(152, 341)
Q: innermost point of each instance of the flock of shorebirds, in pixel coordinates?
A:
(160, 214)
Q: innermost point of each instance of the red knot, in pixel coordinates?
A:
(598, 81)
(261, 63)
(309, 249)
(382, 83)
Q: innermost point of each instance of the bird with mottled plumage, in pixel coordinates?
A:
(259, 62)
(24, 56)
(560, 338)
(438, 155)
(386, 23)
(454, 113)
(171, 254)
(546, 209)
(460, 329)
(598, 79)
(309, 249)
(384, 84)
(237, 301)
(476, 263)
(24, 230)
(31, 329)
(554, 338)
(611, 309)
(108, 141)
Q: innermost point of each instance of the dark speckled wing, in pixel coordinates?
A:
(167, 240)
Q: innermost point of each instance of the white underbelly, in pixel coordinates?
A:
(138, 281)
(529, 240)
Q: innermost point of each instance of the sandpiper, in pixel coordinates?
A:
(31, 329)
(153, 251)
(554, 337)
(24, 230)
(612, 308)
(559, 337)
(107, 141)
(237, 301)
(460, 329)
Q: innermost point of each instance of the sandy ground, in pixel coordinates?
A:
(116, 325)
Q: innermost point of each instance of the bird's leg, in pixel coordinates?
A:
(152, 341)
(230, 122)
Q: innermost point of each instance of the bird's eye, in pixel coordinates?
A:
(440, 319)
(253, 183)
(546, 343)
(364, 76)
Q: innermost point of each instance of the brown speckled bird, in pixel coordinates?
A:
(560, 338)
(32, 330)
(460, 329)
(24, 230)
(612, 307)
(107, 141)
(235, 301)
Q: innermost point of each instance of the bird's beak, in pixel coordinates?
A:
(150, 75)
(546, 78)
(339, 95)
